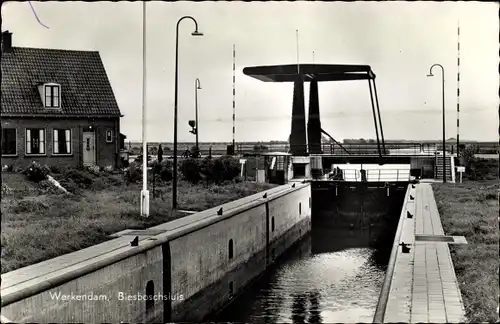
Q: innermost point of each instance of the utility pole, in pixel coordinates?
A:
(234, 97)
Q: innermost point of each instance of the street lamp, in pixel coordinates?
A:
(144, 192)
(444, 119)
(195, 33)
(197, 86)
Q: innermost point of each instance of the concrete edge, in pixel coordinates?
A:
(120, 233)
(148, 245)
(386, 286)
(448, 253)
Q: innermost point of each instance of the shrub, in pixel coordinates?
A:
(166, 170)
(70, 186)
(15, 166)
(226, 168)
(36, 172)
(163, 169)
(49, 187)
(190, 170)
(93, 169)
(79, 177)
(54, 169)
(108, 168)
(133, 173)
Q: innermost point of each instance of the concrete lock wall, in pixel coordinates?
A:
(207, 277)
(190, 264)
(128, 276)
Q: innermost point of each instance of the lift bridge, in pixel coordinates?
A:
(307, 159)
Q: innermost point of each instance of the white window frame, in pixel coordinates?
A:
(54, 141)
(45, 104)
(17, 138)
(26, 142)
(111, 136)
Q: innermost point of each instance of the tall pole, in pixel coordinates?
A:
(195, 33)
(234, 96)
(297, 39)
(197, 86)
(145, 192)
(458, 89)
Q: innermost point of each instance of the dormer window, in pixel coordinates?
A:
(52, 95)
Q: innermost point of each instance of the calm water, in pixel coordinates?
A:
(334, 276)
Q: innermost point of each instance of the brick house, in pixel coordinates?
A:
(57, 108)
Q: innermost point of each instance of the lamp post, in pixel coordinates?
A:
(444, 119)
(145, 192)
(195, 33)
(197, 86)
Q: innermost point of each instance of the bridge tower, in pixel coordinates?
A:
(314, 122)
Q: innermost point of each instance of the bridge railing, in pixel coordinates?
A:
(333, 148)
(388, 175)
(377, 175)
(423, 148)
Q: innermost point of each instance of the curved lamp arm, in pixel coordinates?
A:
(196, 32)
(430, 71)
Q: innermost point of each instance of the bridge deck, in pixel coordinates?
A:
(424, 287)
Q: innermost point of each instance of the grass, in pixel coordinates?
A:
(471, 209)
(39, 223)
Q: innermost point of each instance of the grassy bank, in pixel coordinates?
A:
(39, 223)
(471, 209)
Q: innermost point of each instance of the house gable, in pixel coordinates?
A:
(84, 88)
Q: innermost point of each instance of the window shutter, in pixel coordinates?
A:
(56, 141)
(28, 141)
(68, 141)
(41, 141)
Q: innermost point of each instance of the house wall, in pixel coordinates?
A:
(106, 153)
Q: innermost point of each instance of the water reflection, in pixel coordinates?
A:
(334, 276)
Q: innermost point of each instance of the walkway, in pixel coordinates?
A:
(424, 288)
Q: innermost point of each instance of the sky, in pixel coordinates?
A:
(399, 40)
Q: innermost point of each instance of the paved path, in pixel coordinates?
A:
(424, 288)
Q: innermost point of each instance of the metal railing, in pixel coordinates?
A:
(423, 148)
(377, 175)
(418, 148)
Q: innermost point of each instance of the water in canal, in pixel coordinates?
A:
(332, 276)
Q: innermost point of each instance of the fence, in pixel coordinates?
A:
(424, 148)
(420, 148)
(377, 175)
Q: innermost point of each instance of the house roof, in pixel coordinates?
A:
(85, 87)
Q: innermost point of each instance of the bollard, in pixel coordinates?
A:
(405, 247)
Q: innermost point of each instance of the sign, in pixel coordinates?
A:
(242, 161)
(460, 168)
